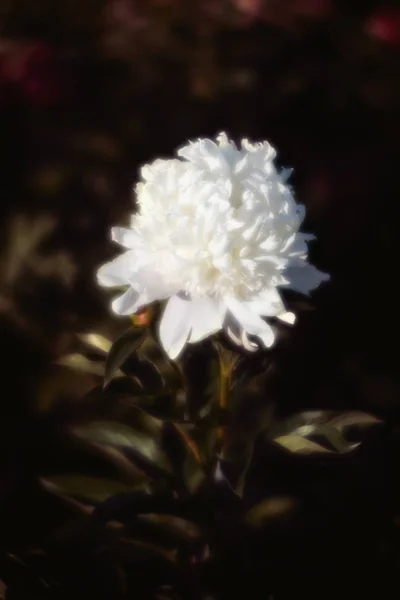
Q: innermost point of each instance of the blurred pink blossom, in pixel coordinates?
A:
(250, 10)
(34, 69)
(385, 26)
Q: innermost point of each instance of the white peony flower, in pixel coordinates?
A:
(216, 233)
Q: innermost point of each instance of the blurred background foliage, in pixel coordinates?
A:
(89, 91)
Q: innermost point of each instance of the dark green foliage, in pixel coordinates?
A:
(159, 490)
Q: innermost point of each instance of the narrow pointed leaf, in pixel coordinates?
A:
(122, 348)
(78, 362)
(338, 432)
(94, 489)
(177, 526)
(168, 370)
(127, 438)
(201, 368)
(96, 342)
(270, 509)
(298, 444)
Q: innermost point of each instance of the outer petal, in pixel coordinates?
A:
(205, 153)
(305, 278)
(250, 321)
(132, 300)
(116, 272)
(126, 237)
(155, 284)
(267, 304)
(128, 303)
(175, 325)
(207, 318)
(287, 317)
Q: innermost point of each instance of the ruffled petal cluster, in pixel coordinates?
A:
(216, 234)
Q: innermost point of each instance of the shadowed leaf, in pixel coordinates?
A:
(177, 527)
(269, 510)
(296, 443)
(247, 370)
(96, 341)
(185, 455)
(329, 429)
(354, 420)
(161, 406)
(201, 367)
(135, 550)
(94, 489)
(168, 370)
(189, 443)
(111, 433)
(250, 415)
(129, 404)
(81, 363)
(121, 349)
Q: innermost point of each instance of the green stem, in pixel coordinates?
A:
(225, 378)
(224, 384)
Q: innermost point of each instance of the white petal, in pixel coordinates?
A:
(298, 247)
(158, 167)
(207, 318)
(301, 212)
(126, 237)
(305, 278)
(205, 153)
(219, 244)
(154, 282)
(285, 174)
(267, 304)
(287, 317)
(128, 303)
(262, 150)
(250, 321)
(116, 272)
(175, 325)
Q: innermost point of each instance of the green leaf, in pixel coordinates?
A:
(354, 420)
(146, 373)
(237, 460)
(78, 362)
(111, 433)
(193, 471)
(194, 475)
(93, 489)
(167, 370)
(162, 406)
(96, 342)
(327, 429)
(201, 368)
(250, 371)
(250, 415)
(333, 437)
(270, 509)
(206, 436)
(126, 401)
(133, 551)
(121, 349)
(179, 528)
(189, 443)
(124, 386)
(298, 444)
(185, 455)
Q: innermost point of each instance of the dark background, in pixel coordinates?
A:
(88, 92)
